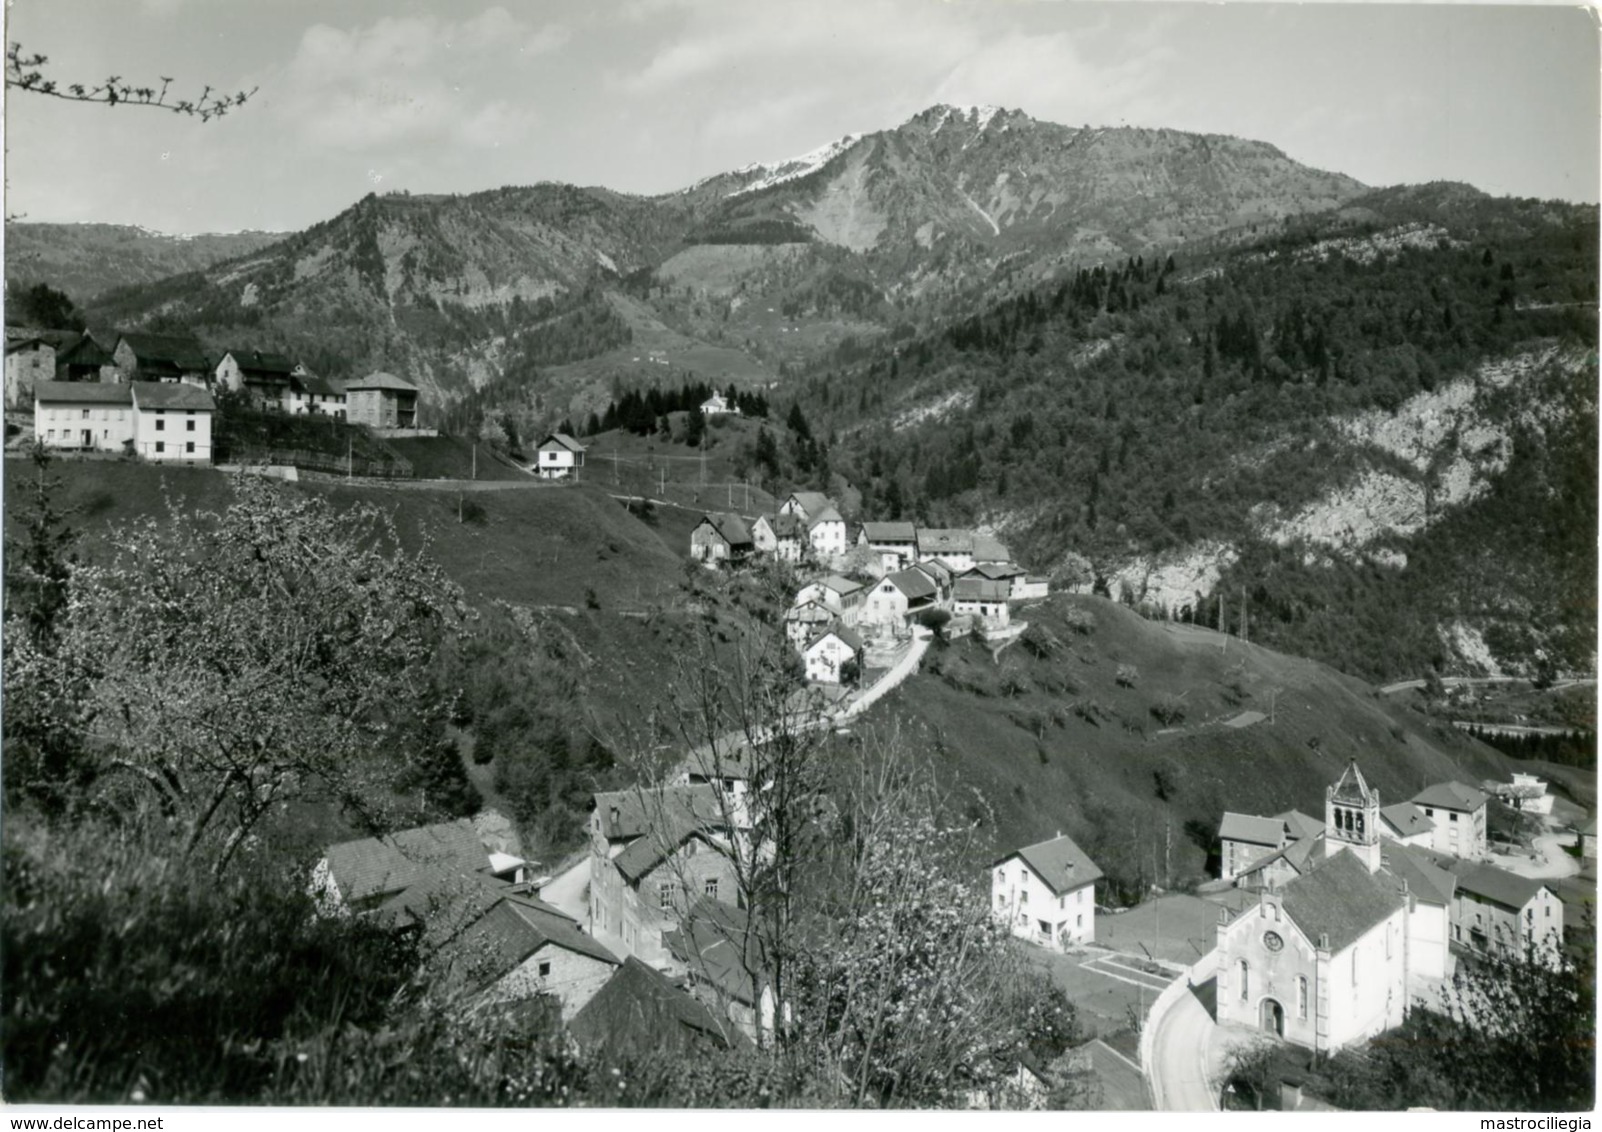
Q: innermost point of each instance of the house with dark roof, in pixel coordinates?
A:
(784, 536)
(381, 400)
(559, 456)
(1246, 839)
(261, 375)
(806, 505)
(805, 621)
(1046, 893)
(358, 876)
(313, 395)
(830, 655)
(31, 358)
(652, 854)
(161, 357)
(897, 599)
(1406, 824)
(721, 538)
(843, 596)
(826, 533)
(725, 965)
(87, 358)
(172, 421)
(983, 598)
(896, 544)
(640, 1012)
(1500, 912)
(1459, 815)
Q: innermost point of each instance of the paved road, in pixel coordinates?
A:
(894, 675)
(1181, 1073)
(1474, 681)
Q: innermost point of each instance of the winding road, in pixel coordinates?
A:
(1181, 1072)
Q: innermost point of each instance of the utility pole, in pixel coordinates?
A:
(349, 463)
(475, 459)
(1244, 615)
(1223, 630)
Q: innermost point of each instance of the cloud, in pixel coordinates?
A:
(413, 80)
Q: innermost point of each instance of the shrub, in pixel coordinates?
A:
(1168, 710)
(1128, 675)
(1081, 621)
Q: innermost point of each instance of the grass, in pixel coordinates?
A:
(451, 458)
(1072, 749)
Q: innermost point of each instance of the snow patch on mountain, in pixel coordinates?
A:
(778, 172)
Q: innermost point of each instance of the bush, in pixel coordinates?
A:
(1081, 621)
(1128, 675)
(1168, 710)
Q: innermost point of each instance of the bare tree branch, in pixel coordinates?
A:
(26, 72)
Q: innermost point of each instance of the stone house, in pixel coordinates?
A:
(381, 400)
(721, 538)
(982, 598)
(261, 375)
(161, 357)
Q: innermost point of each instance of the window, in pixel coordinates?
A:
(545, 970)
(86, 414)
(1301, 996)
(51, 435)
(1001, 876)
(189, 425)
(1079, 920)
(1023, 897)
(161, 446)
(1062, 902)
(1245, 979)
(711, 888)
(190, 446)
(1429, 813)
(161, 425)
(1452, 817)
(664, 894)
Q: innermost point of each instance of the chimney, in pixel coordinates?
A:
(614, 815)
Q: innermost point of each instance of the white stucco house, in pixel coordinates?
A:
(842, 595)
(1046, 893)
(559, 456)
(158, 421)
(828, 653)
(1458, 813)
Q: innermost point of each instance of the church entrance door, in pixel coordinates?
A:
(1273, 1017)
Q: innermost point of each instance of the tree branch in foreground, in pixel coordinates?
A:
(24, 72)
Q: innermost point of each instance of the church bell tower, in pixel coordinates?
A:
(1351, 818)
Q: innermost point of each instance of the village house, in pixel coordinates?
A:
(830, 654)
(1406, 824)
(1046, 893)
(782, 536)
(982, 598)
(155, 420)
(83, 415)
(805, 621)
(841, 595)
(161, 357)
(1458, 813)
(86, 359)
(313, 395)
(1245, 840)
(826, 533)
(358, 876)
(640, 1012)
(960, 550)
(1526, 793)
(897, 600)
(724, 963)
(717, 405)
(721, 538)
(1500, 912)
(260, 375)
(31, 358)
(172, 422)
(559, 456)
(652, 853)
(806, 505)
(1020, 585)
(381, 400)
(895, 543)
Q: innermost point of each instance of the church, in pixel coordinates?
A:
(1328, 958)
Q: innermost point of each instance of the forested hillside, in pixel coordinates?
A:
(1346, 421)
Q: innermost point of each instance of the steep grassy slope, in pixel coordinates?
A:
(1060, 734)
(86, 260)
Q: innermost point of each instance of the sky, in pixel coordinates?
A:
(648, 96)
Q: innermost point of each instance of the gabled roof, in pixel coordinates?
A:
(988, 549)
(1406, 819)
(995, 571)
(890, 532)
(912, 582)
(1341, 899)
(381, 380)
(1060, 863)
(980, 589)
(731, 527)
(172, 395)
(310, 383)
(515, 928)
(642, 1011)
(1252, 829)
(1299, 825)
(377, 866)
(841, 586)
(1352, 787)
(261, 362)
(658, 844)
(936, 572)
(942, 540)
(789, 527)
(178, 351)
(846, 636)
(561, 440)
(629, 813)
(1451, 796)
(811, 611)
(1425, 879)
(810, 502)
(716, 945)
(86, 351)
(827, 515)
(82, 393)
(1303, 856)
(1487, 882)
